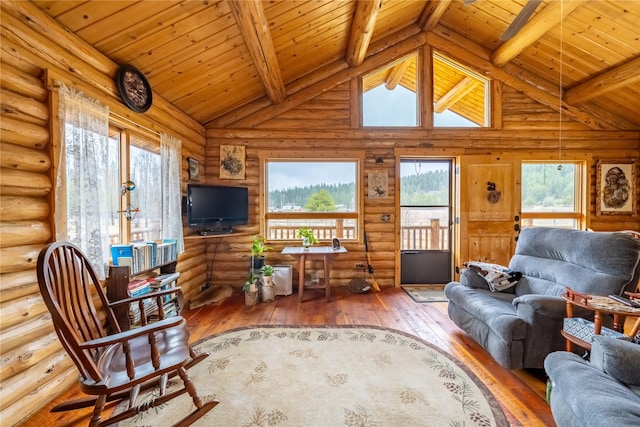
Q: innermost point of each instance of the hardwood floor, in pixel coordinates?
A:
(521, 393)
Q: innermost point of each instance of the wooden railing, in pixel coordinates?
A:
(425, 237)
(417, 237)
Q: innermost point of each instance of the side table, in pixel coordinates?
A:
(302, 254)
(580, 331)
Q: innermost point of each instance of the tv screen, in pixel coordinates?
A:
(216, 207)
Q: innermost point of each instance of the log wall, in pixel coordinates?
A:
(34, 52)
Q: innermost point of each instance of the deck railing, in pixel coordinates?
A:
(415, 237)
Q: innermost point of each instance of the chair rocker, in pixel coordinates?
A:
(114, 365)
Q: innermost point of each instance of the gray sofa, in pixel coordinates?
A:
(604, 392)
(519, 327)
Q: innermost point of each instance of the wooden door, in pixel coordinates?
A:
(489, 208)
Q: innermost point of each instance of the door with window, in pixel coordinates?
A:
(426, 220)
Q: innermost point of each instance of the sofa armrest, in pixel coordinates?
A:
(617, 358)
(543, 305)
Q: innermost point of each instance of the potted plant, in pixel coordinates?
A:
(258, 248)
(308, 238)
(268, 291)
(250, 289)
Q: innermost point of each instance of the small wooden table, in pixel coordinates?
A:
(302, 254)
(599, 305)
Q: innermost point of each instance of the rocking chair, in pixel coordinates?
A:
(115, 365)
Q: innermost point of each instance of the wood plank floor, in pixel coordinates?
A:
(521, 393)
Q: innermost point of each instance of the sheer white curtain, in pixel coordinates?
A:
(80, 199)
(171, 156)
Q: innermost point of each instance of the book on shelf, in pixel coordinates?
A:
(144, 255)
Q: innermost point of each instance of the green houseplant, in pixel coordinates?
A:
(258, 248)
(308, 238)
(268, 291)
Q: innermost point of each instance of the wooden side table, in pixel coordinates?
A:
(324, 253)
(600, 305)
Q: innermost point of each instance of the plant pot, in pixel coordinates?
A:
(258, 262)
(306, 242)
(251, 298)
(268, 291)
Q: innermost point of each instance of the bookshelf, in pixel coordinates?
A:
(147, 269)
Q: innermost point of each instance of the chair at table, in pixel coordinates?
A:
(113, 365)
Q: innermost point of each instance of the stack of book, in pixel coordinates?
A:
(141, 256)
(162, 282)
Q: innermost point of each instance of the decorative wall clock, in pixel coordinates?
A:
(134, 88)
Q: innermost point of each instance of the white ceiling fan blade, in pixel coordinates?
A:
(521, 19)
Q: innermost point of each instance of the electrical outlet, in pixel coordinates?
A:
(358, 266)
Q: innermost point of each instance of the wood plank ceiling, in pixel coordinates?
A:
(214, 58)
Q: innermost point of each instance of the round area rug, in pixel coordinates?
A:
(329, 376)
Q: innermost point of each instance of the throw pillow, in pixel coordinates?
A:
(498, 277)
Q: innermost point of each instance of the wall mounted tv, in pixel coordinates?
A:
(214, 209)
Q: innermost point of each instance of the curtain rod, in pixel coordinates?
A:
(137, 125)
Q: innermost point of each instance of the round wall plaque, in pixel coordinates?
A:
(134, 88)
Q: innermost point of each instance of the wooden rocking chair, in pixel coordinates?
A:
(117, 365)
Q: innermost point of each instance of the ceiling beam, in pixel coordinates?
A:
(396, 73)
(364, 22)
(432, 13)
(543, 22)
(456, 93)
(254, 27)
(616, 78)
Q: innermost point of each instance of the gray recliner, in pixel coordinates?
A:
(604, 392)
(521, 326)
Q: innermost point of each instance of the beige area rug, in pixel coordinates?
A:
(425, 294)
(330, 376)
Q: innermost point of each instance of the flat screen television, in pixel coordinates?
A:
(215, 209)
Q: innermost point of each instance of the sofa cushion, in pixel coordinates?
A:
(495, 309)
(551, 259)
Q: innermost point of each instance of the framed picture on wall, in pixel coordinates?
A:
(616, 192)
(378, 185)
(194, 169)
(232, 161)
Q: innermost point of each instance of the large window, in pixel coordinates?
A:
(552, 194)
(320, 194)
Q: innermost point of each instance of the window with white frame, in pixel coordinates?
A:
(316, 193)
(553, 194)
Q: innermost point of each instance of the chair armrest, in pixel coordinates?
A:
(153, 294)
(617, 358)
(127, 335)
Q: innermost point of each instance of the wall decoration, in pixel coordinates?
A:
(378, 185)
(232, 161)
(194, 169)
(616, 187)
(134, 88)
(493, 195)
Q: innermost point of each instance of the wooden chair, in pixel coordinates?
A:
(118, 364)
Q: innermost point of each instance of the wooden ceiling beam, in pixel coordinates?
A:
(364, 22)
(396, 73)
(254, 27)
(456, 93)
(552, 15)
(616, 78)
(432, 13)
